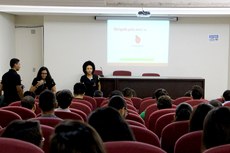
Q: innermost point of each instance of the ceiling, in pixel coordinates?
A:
(117, 7)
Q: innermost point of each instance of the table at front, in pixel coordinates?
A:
(145, 86)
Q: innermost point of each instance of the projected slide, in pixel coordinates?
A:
(132, 41)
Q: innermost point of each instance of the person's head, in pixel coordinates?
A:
(116, 93)
(159, 92)
(226, 95)
(28, 102)
(216, 127)
(110, 125)
(15, 64)
(119, 104)
(47, 101)
(29, 93)
(29, 131)
(183, 112)
(164, 102)
(88, 67)
(43, 74)
(198, 115)
(75, 137)
(188, 93)
(64, 98)
(128, 92)
(79, 89)
(197, 92)
(98, 93)
(215, 103)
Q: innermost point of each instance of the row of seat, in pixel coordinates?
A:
(124, 73)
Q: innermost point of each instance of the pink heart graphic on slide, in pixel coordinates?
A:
(138, 39)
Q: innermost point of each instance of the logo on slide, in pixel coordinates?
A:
(138, 39)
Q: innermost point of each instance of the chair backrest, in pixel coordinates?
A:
(135, 123)
(9, 145)
(131, 107)
(131, 147)
(194, 102)
(16, 103)
(81, 113)
(149, 110)
(98, 72)
(49, 121)
(145, 135)
(122, 73)
(7, 116)
(24, 113)
(47, 131)
(171, 133)
(99, 100)
(86, 109)
(219, 149)
(68, 115)
(181, 100)
(220, 99)
(189, 143)
(83, 102)
(136, 102)
(145, 104)
(135, 117)
(226, 104)
(150, 74)
(150, 123)
(91, 100)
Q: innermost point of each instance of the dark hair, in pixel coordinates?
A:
(197, 92)
(159, 92)
(47, 101)
(64, 98)
(128, 92)
(98, 93)
(188, 93)
(215, 103)
(29, 131)
(75, 137)
(116, 92)
(117, 102)
(164, 102)
(29, 93)
(79, 89)
(183, 112)
(216, 127)
(28, 102)
(39, 77)
(110, 125)
(198, 115)
(226, 95)
(14, 61)
(87, 63)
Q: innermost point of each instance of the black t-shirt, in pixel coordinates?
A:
(49, 84)
(91, 85)
(10, 80)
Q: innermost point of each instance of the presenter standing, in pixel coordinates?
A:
(91, 81)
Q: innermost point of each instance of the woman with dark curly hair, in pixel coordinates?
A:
(43, 81)
(91, 81)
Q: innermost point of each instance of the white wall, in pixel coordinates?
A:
(7, 41)
(69, 41)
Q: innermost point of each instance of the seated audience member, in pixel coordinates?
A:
(183, 112)
(47, 103)
(116, 92)
(197, 92)
(119, 104)
(188, 93)
(79, 90)
(64, 99)
(215, 103)
(110, 125)
(198, 115)
(29, 131)
(128, 93)
(226, 96)
(164, 102)
(216, 128)
(29, 93)
(28, 102)
(98, 93)
(75, 137)
(159, 92)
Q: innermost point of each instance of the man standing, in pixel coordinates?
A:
(11, 83)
